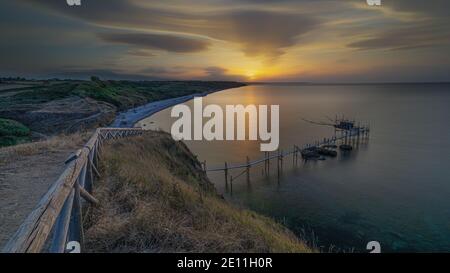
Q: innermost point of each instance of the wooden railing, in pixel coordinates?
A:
(59, 212)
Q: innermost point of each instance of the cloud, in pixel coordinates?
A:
(406, 24)
(257, 31)
(140, 53)
(215, 73)
(434, 8)
(308, 31)
(264, 32)
(409, 37)
(165, 42)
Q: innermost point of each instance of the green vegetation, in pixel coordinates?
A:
(155, 198)
(53, 106)
(13, 132)
(35, 95)
(126, 94)
(122, 94)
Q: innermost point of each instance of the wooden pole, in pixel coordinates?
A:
(265, 163)
(293, 156)
(278, 164)
(58, 244)
(231, 185)
(89, 181)
(76, 222)
(248, 170)
(88, 197)
(226, 175)
(281, 160)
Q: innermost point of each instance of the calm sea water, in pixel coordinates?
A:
(394, 188)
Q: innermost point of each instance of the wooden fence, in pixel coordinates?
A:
(59, 212)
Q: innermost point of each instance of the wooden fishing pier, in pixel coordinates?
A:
(345, 136)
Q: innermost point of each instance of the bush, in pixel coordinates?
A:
(13, 132)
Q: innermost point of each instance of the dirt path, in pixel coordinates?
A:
(26, 173)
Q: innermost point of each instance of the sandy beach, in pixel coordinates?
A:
(130, 117)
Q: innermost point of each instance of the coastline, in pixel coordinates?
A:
(130, 117)
(69, 106)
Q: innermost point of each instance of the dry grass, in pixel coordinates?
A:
(52, 144)
(155, 198)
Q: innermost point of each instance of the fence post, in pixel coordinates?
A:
(59, 240)
(76, 219)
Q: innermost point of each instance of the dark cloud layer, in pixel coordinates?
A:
(220, 74)
(428, 27)
(435, 8)
(259, 32)
(408, 37)
(48, 35)
(157, 41)
(263, 32)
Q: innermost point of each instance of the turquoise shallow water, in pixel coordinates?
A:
(394, 188)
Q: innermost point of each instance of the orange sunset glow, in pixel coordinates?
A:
(324, 41)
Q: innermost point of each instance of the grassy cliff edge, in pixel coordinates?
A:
(155, 198)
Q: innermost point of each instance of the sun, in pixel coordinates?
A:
(250, 75)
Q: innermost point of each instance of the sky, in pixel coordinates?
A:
(243, 40)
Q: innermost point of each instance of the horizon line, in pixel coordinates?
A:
(223, 80)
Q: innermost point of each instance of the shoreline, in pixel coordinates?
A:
(130, 117)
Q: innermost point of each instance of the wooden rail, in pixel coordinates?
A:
(59, 212)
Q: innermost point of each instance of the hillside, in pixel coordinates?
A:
(155, 198)
(44, 108)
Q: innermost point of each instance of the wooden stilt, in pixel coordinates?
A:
(293, 156)
(248, 170)
(226, 175)
(231, 185)
(278, 164)
(281, 158)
